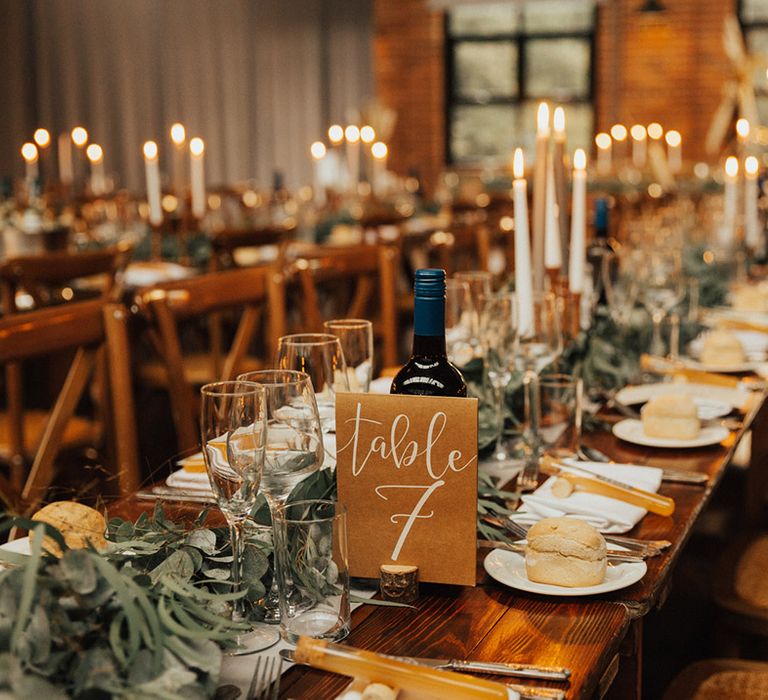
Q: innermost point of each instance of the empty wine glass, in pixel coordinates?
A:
(293, 444)
(539, 344)
(480, 283)
(498, 330)
(621, 285)
(356, 338)
(662, 286)
(321, 357)
(460, 324)
(233, 426)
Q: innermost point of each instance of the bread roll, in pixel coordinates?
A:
(565, 552)
(671, 416)
(722, 347)
(78, 524)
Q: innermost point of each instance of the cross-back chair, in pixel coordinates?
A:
(86, 328)
(257, 292)
(351, 282)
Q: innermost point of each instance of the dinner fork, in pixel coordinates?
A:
(265, 683)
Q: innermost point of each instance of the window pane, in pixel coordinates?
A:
(483, 132)
(557, 68)
(485, 69)
(757, 42)
(484, 19)
(754, 10)
(559, 16)
(762, 108)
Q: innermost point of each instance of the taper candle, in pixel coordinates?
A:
(540, 193)
(197, 176)
(152, 172)
(578, 252)
(523, 277)
(728, 230)
(751, 222)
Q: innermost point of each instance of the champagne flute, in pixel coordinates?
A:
(621, 285)
(498, 330)
(662, 288)
(460, 325)
(356, 338)
(233, 426)
(539, 344)
(293, 445)
(321, 357)
(480, 283)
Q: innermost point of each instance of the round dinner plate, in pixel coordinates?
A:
(632, 431)
(748, 366)
(509, 568)
(19, 546)
(707, 406)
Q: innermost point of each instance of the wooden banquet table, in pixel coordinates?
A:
(599, 638)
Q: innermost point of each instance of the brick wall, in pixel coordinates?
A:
(666, 67)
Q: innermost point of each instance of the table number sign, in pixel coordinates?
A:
(406, 468)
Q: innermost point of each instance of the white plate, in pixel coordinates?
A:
(709, 393)
(632, 431)
(20, 546)
(747, 366)
(509, 568)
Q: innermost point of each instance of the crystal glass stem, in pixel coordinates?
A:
(236, 539)
(528, 479)
(657, 344)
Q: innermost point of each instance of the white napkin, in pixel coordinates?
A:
(190, 481)
(606, 514)
(381, 385)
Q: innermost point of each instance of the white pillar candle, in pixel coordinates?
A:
(674, 151)
(639, 146)
(352, 135)
(318, 152)
(751, 223)
(152, 171)
(31, 172)
(95, 155)
(197, 176)
(553, 256)
(42, 138)
(379, 151)
(619, 136)
(335, 137)
(728, 230)
(79, 137)
(603, 143)
(65, 159)
(179, 139)
(540, 193)
(523, 278)
(367, 137)
(578, 223)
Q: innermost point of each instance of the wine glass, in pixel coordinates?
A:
(540, 343)
(321, 357)
(662, 285)
(498, 330)
(356, 338)
(460, 323)
(621, 285)
(480, 283)
(293, 445)
(234, 427)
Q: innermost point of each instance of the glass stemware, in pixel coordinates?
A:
(233, 427)
(356, 338)
(498, 330)
(539, 344)
(293, 445)
(662, 288)
(460, 323)
(321, 357)
(480, 283)
(621, 285)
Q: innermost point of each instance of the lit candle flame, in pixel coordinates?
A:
(42, 137)
(673, 138)
(379, 150)
(94, 152)
(579, 159)
(742, 129)
(751, 166)
(196, 147)
(655, 130)
(79, 136)
(178, 134)
(603, 140)
(731, 166)
(367, 134)
(542, 119)
(352, 133)
(150, 150)
(335, 134)
(638, 132)
(558, 120)
(29, 152)
(317, 149)
(518, 164)
(619, 132)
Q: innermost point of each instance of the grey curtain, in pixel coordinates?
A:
(258, 80)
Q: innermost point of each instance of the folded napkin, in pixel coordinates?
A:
(606, 514)
(190, 481)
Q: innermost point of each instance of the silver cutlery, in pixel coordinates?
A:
(615, 556)
(168, 494)
(592, 454)
(265, 682)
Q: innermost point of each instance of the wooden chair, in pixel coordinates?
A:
(718, 679)
(226, 242)
(87, 328)
(258, 292)
(460, 248)
(352, 282)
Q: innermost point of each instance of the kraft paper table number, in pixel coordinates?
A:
(406, 468)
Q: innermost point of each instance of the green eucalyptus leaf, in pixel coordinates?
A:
(179, 565)
(203, 539)
(79, 570)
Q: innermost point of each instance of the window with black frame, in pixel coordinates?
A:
(505, 58)
(754, 19)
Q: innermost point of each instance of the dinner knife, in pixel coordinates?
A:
(592, 454)
(160, 493)
(615, 556)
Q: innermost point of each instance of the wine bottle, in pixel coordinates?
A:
(598, 249)
(428, 372)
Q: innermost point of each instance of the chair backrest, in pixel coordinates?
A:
(259, 292)
(226, 242)
(362, 281)
(461, 248)
(86, 327)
